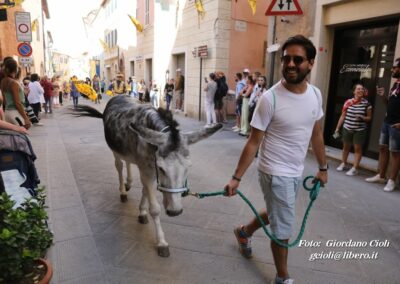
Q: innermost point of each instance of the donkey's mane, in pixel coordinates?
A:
(175, 138)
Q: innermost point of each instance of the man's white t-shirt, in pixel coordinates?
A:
(288, 120)
(35, 92)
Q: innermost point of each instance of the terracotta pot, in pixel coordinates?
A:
(49, 271)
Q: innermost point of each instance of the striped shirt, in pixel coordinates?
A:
(351, 122)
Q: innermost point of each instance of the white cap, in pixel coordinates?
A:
(178, 70)
(246, 70)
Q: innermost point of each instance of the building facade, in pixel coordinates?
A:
(174, 32)
(38, 10)
(60, 64)
(357, 41)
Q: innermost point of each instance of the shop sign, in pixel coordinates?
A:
(356, 68)
(202, 51)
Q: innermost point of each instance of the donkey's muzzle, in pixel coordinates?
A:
(171, 213)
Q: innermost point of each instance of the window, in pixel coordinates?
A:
(111, 38)
(132, 68)
(147, 13)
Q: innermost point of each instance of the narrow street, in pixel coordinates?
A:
(99, 240)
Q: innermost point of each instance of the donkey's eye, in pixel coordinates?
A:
(161, 171)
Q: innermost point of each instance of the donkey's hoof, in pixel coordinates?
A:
(143, 219)
(127, 187)
(124, 198)
(163, 251)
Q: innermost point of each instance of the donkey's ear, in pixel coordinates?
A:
(195, 136)
(149, 135)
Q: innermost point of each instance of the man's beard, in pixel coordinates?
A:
(301, 75)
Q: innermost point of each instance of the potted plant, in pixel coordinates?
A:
(24, 240)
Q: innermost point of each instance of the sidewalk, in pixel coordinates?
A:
(98, 239)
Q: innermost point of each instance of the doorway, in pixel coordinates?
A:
(148, 72)
(179, 62)
(361, 54)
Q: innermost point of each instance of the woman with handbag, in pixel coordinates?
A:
(13, 96)
(356, 113)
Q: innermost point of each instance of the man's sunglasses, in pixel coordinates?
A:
(297, 60)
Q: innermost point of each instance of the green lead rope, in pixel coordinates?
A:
(314, 191)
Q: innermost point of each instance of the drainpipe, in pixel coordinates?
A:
(271, 38)
(119, 67)
(44, 44)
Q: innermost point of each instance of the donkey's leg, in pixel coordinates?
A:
(143, 208)
(128, 183)
(155, 209)
(119, 166)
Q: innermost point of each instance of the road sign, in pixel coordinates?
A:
(24, 49)
(284, 7)
(26, 61)
(202, 51)
(23, 26)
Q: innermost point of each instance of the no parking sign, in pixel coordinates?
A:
(24, 49)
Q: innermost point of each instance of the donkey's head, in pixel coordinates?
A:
(172, 160)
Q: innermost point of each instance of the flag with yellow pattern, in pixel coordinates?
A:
(137, 24)
(253, 5)
(200, 8)
(104, 45)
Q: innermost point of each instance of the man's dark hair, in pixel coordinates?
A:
(304, 42)
(212, 76)
(239, 76)
(34, 77)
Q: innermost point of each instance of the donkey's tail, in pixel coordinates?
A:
(83, 110)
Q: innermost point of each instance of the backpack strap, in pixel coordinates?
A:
(273, 98)
(316, 94)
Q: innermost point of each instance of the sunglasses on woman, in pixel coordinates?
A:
(297, 59)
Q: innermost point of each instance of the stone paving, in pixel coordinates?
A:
(98, 239)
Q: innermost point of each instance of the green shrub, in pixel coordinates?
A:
(24, 235)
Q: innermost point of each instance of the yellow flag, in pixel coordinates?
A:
(104, 45)
(200, 8)
(34, 25)
(253, 5)
(137, 24)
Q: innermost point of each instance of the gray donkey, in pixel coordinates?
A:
(150, 138)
